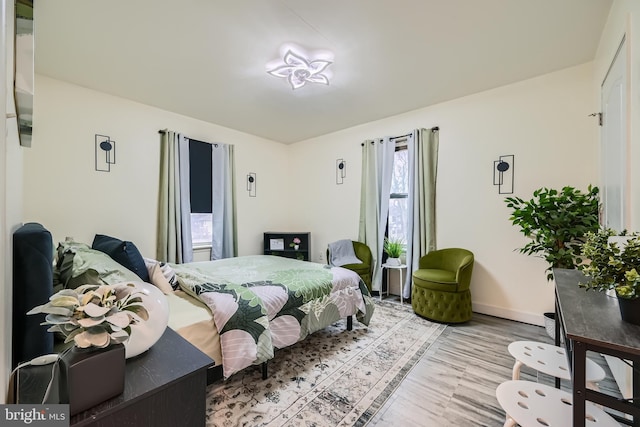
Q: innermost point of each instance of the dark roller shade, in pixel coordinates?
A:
(200, 176)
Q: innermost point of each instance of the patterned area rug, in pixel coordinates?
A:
(334, 377)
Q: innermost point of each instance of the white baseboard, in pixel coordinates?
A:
(519, 316)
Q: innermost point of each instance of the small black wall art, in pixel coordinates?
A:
(341, 171)
(503, 174)
(105, 153)
(251, 184)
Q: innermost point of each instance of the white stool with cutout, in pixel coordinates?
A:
(551, 360)
(531, 404)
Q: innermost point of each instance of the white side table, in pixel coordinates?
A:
(400, 268)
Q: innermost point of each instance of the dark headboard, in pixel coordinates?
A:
(32, 286)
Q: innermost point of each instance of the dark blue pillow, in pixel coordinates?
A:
(123, 252)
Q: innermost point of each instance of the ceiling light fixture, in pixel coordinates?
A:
(300, 69)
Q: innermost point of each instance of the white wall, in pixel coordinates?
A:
(65, 193)
(542, 121)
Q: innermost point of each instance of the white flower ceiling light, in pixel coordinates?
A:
(299, 69)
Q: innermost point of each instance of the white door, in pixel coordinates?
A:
(614, 172)
(614, 142)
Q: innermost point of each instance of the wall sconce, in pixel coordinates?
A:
(105, 153)
(503, 174)
(251, 184)
(341, 171)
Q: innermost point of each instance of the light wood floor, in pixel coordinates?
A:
(455, 381)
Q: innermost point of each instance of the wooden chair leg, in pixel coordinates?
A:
(516, 370)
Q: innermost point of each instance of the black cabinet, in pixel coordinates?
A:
(287, 244)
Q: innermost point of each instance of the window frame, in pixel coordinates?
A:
(400, 145)
(198, 152)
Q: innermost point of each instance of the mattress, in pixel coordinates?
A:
(193, 320)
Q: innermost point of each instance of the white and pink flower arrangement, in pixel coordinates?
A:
(295, 243)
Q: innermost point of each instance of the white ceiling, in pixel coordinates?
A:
(206, 58)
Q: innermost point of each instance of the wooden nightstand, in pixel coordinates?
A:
(165, 386)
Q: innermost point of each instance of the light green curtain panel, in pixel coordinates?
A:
(225, 240)
(174, 210)
(421, 217)
(377, 167)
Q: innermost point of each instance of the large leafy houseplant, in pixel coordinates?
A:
(557, 223)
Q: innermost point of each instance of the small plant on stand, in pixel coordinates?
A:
(394, 249)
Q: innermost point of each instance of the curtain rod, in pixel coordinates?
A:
(433, 129)
(215, 144)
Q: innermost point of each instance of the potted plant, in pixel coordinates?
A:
(295, 243)
(612, 263)
(93, 315)
(394, 249)
(97, 319)
(556, 222)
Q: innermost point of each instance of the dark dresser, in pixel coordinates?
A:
(164, 386)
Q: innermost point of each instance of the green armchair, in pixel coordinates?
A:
(364, 270)
(440, 288)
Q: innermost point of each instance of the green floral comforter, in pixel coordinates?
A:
(261, 303)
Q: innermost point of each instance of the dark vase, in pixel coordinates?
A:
(91, 376)
(630, 310)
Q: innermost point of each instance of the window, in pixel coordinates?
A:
(200, 189)
(201, 229)
(398, 200)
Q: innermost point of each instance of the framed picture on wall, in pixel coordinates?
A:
(276, 244)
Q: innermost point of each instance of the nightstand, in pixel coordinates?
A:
(164, 386)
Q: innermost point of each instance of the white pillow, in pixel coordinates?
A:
(158, 280)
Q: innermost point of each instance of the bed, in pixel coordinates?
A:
(239, 311)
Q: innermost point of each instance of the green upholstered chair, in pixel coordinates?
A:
(364, 270)
(440, 288)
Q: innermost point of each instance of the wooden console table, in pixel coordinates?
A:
(590, 321)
